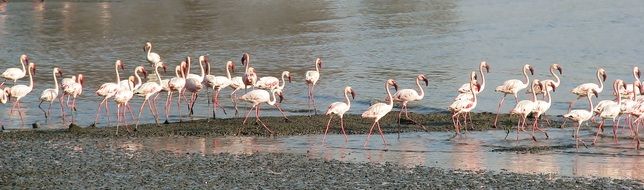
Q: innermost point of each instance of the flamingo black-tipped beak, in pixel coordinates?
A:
(487, 68)
(60, 73)
(290, 79)
(165, 68)
(281, 95)
(604, 77)
(560, 70)
(395, 86)
(353, 94)
(553, 86)
(595, 93)
(145, 73)
(638, 73)
(244, 59)
(531, 70)
(426, 81)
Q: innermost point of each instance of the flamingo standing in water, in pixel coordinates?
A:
(217, 83)
(20, 91)
(151, 57)
(137, 82)
(272, 83)
(464, 90)
(556, 80)
(581, 115)
(176, 84)
(15, 73)
(122, 99)
(339, 108)
(147, 90)
(73, 89)
(250, 77)
(406, 95)
(107, 90)
(611, 110)
(512, 86)
(257, 97)
(193, 84)
(542, 106)
(379, 110)
(582, 90)
(311, 78)
(49, 95)
(463, 106)
(524, 108)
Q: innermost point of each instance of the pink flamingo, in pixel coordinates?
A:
(611, 110)
(465, 88)
(581, 115)
(582, 90)
(137, 83)
(379, 110)
(108, 90)
(512, 86)
(272, 83)
(407, 95)
(257, 97)
(542, 106)
(151, 57)
(147, 90)
(464, 106)
(51, 94)
(311, 78)
(524, 108)
(20, 91)
(556, 82)
(176, 84)
(194, 84)
(250, 77)
(217, 83)
(122, 99)
(339, 108)
(73, 89)
(15, 73)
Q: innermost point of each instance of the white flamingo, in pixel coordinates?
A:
(339, 108)
(556, 80)
(193, 84)
(542, 106)
(611, 111)
(16, 73)
(20, 91)
(629, 91)
(49, 95)
(73, 90)
(270, 82)
(581, 115)
(512, 86)
(122, 99)
(405, 96)
(250, 77)
(151, 57)
(146, 90)
(524, 108)
(583, 89)
(176, 84)
(311, 78)
(379, 110)
(464, 90)
(4, 95)
(464, 106)
(257, 97)
(137, 82)
(108, 90)
(217, 83)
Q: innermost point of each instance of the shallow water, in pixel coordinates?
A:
(473, 151)
(362, 44)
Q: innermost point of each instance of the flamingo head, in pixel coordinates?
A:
(594, 92)
(280, 94)
(602, 73)
(486, 66)
(7, 92)
(245, 58)
(147, 46)
(182, 67)
(32, 68)
(423, 78)
(536, 83)
(143, 71)
(165, 67)
(558, 67)
(636, 72)
(24, 59)
(350, 90)
(288, 75)
(231, 65)
(80, 79)
(58, 71)
(551, 84)
(119, 64)
(393, 82)
(529, 67)
(318, 62)
(188, 60)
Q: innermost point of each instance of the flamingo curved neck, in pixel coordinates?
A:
(534, 94)
(482, 79)
(138, 78)
(346, 97)
(283, 82)
(601, 83)
(228, 72)
(272, 100)
(527, 79)
(422, 92)
(557, 80)
(31, 79)
(149, 51)
(203, 73)
(156, 71)
(317, 67)
(472, 91)
(591, 102)
(391, 99)
(55, 82)
(22, 62)
(118, 78)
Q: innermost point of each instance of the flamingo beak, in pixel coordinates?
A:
(290, 78)
(604, 77)
(26, 60)
(478, 86)
(60, 73)
(320, 64)
(353, 94)
(281, 95)
(395, 86)
(560, 70)
(531, 70)
(426, 81)
(487, 68)
(244, 59)
(638, 73)
(145, 73)
(165, 68)
(595, 93)
(553, 86)
(145, 47)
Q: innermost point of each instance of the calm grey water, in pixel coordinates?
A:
(362, 43)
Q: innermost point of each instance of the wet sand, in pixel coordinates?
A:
(87, 157)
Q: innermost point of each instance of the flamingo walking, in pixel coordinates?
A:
(72, 89)
(272, 83)
(556, 81)
(257, 97)
(250, 77)
(464, 90)
(137, 82)
(16, 73)
(49, 95)
(176, 84)
(122, 99)
(542, 106)
(20, 91)
(582, 90)
(217, 83)
(311, 78)
(512, 86)
(464, 106)
(524, 108)
(405, 96)
(193, 84)
(581, 115)
(611, 111)
(339, 108)
(108, 90)
(379, 110)
(152, 57)
(146, 90)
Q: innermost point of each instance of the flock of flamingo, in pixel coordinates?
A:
(626, 104)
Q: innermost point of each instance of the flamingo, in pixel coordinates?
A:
(257, 97)
(137, 83)
(15, 73)
(556, 80)
(122, 99)
(20, 91)
(217, 83)
(465, 88)
(524, 108)
(311, 78)
(51, 94)
(269, 83)
(250, 77)
(582, 90)
(176, 84)
(512, 86)
(193, 84)
(107, 90)
(379, 110)
(581, 115)
(339, 108)
(407, 95)
(611, 111)
(146, 90)
(152, 58)
(463, 106)
(4, 95)
(629, 90)
(74, 90)
(542, 106)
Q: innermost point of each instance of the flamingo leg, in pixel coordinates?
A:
(615, 128)
(214, 104)
(369, 135)
(281, 111)
(342, 127)
(118, 119)
(49, 109)
(498, 111)
(152, 110)
(179, 104)
(136, 126)
(43, 110)
(381, 134)
(315, 108)
(217, 99)
(328, 124)
(98, 111)
(260, 121)
(247, 114)
(22, 120)
(232, 98)
(62, 111)
(599, 130)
